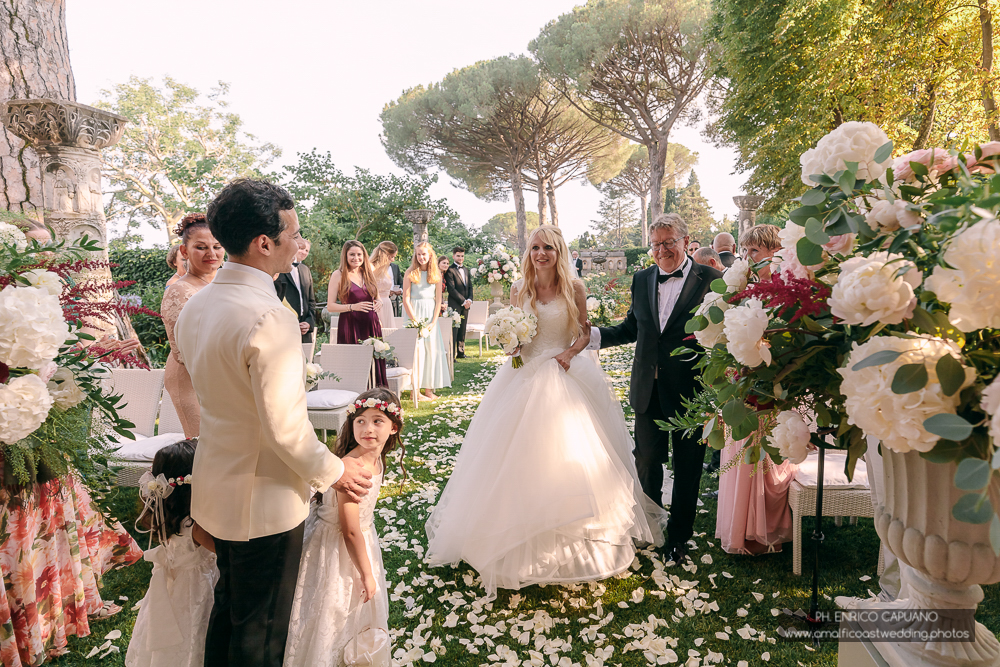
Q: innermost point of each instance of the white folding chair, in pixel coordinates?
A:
(479, 312)
(405, 375)
(353, 365)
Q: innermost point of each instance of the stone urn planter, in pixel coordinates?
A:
(496, 291)
(943, 561)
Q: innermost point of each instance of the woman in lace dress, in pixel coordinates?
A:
(204, 256)
(545, 488)
(384, 255)
(753, 516)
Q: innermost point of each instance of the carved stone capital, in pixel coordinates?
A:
(420, 215)
(46, 122)
(749, 202)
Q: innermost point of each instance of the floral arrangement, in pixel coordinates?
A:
(315, 373)
(609, 298)
(50, 382)
(384, 406)
(423, 327)
(382, 350)
(881, 319)
(497, 266)
(511, 328)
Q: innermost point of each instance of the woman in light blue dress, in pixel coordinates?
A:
(422, 290)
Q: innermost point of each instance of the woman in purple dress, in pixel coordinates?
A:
(354, 294)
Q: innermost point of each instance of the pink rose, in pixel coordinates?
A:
(840, 245)
(937, 161)
(988, 149)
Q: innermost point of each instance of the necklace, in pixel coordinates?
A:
(207, 282)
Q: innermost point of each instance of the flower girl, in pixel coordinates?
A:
(341, 568)
(173, 617)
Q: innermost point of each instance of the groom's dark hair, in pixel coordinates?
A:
(245, 209)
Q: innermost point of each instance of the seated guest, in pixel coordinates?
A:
(297, 289)
(708, 257)
(175, 262)
(725, 245)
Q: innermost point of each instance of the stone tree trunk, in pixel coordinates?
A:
(35, 55)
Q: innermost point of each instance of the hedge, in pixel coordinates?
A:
(633, 254)
(146, 266)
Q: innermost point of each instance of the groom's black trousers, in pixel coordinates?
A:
(652, 450)
(253, 600)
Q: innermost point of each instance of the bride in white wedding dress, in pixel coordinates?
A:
(544, 489)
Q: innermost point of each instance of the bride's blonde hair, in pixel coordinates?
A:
(551, 235)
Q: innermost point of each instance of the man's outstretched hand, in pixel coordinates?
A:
(355, 481)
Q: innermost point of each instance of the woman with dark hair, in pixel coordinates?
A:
(204, 256)
(353, 293)
(177, 263)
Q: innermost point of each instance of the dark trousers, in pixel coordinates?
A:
(459, 333)
(253, 600)
(652, 450)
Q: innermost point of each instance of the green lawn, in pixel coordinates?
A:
(440, 613)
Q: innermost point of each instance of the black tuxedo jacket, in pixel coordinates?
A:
(674, 376)
(579, 266)
(397, 276)
(291, 293)
(458, 290)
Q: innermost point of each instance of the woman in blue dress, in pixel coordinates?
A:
(423, 286)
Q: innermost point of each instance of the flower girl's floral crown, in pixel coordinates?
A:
(384, 406)
(153, 491)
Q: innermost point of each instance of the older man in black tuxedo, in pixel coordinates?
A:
(662, 298)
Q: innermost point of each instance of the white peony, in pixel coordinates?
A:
(897, 419)
(991, 406)
(712, 335)
(744, 327)
(12, 235)
(789, 254)
(24, 405)
(736, 276)
(885, 216)
(48, 281)
(973, 286)
(494, 264)
(32, 328)
(65, 392)
(592, 304)
(871, 290)
(790, 436)
(851, 142)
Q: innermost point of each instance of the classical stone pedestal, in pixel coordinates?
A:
(496, 291)
(419, 218)
(748, 205)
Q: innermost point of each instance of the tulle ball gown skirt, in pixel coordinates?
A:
(544, 488)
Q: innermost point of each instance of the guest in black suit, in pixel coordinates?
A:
(459, 284)
(397, 289)
(577, 264)
(662, 299)
(298, 289)
(725, 244)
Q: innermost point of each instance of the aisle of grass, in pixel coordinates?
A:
(719, 612)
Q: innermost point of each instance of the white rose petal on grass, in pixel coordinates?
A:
(876, 288)
(706, 559)
(972, 287)
(864, 578)
(722, 635)
(727, 575)
(759, 597)
(774, 612)
(765, 656)
(741, 612)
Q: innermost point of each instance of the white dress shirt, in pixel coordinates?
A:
(298, 285)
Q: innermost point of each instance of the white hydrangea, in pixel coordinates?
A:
(24, 404)
(897, 419)
(851, 142)
(48, 281)
(991, 406)
(790, 436)
(973, 286)
(871, 290)
(713, 334)
(744, 327)
(736, 276)
(32, 328)
(789, 255)
(12, 235)
(64, 390)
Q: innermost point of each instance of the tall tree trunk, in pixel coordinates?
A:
(927, 124)
(643, 221)
(517, 188)
(35, 55)
(989, 103)
(553, 211)
(657, 162)
(541, 201)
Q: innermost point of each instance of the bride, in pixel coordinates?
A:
(544, 488)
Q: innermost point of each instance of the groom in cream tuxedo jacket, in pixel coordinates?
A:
(257, 459)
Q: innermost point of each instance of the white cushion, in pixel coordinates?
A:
(144, 449)
(833, 471)
(398, 371)
(329, 399)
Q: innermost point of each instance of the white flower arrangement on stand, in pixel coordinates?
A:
(497, 266)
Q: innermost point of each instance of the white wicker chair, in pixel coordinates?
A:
(479, 312)
(406, 375)
(353, 365)
(308, 349)
(141, 390)
(168, 422)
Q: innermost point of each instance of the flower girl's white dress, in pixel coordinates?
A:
(173, 617)
(329, 586)
(544, 488)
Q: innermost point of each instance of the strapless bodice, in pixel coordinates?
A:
(553, 328)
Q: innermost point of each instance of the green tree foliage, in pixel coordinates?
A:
(502, 227)
(617, 224)
(694, 208)
(635, 66)
(789, 71)
(176, 153)
(334, 207)
(146, 266)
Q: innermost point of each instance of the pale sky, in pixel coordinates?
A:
(307, 75)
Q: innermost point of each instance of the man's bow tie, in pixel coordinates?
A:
(663, 277)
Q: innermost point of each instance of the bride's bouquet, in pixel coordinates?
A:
(511, 328)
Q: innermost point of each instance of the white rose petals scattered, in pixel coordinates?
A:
(864, 578)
